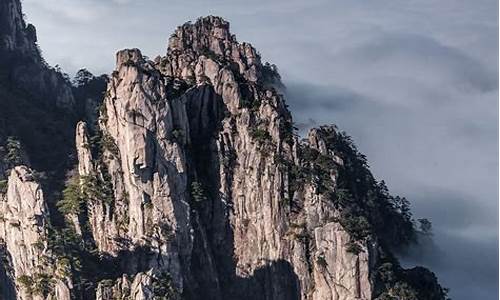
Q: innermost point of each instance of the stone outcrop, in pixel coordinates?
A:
(37, 106)
(193, 185)
(23, 223)
(24, 234)
(200, 147)
(15, 34)
(21, 61)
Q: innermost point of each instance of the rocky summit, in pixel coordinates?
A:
(183, 177)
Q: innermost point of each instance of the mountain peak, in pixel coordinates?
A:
(207, 33)
(15, 34)
(191, 183)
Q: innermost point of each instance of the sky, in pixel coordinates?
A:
(415, 83)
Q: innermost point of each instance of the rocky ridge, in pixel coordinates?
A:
(21, 61)
(193, 185)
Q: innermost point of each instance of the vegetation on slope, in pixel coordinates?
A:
(368, 210)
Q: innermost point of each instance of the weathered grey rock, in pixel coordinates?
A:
(342, 275)
(147, 170)
(154, 130)
(194, 184)
(23, 224)
(23, 231)
(137, 288)
(85, 164)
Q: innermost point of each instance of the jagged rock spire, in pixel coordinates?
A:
(210, 37)
(208, 33)
(195, 186)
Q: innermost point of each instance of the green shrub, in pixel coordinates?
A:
(229, 158)
(204, 79)
(39, 245)
(321, 261)
(298, 232)
(39, 284)
(178, 135)
(425, 226)
(66, 244)
(403, 290)
(3, 186)
(343, 196)
(288, 131)
(63, 267)
(103, 114)
(325, 162)
(14, 151)
(197, 192)
(80, 189)
(286, 201)
(148, 205)
(210, 54)
(95, 187)
(318, 168)
(254, 104)
(26, 281)
(43, 284)
(366, 205)
(163, 288)
(101, 142)
(165, 230)
(260, 135)
(108, 143)
(270, 74)
(72, 200)
(309, 154)
(353, 247)
(386, 273)
(355, 224)
(123, 222)
(301, 225)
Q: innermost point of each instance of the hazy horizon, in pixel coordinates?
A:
(414, 83)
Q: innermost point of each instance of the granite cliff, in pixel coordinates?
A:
(188, 182)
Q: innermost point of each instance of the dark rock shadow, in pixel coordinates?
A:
(213, 267)
(7, 286)
(97, 268)
(275, 281)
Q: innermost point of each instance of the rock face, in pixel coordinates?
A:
(37, 106)
(193, 185)
(23, 235)
(15, 34)
(23, 224)
(36, 129)
(21, 61)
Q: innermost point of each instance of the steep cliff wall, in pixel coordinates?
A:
(208, 176)
(16, 36)
(37, 119)
(193, 185)
(37, 106)
(21, 62)
(34, 269)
